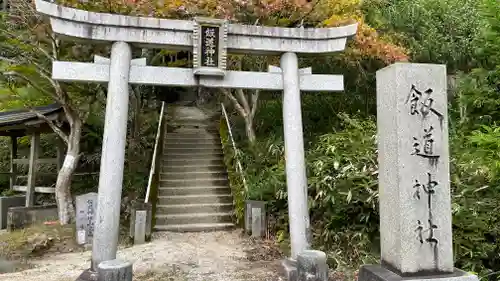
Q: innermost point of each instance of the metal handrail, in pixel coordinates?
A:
(238, 162)
(155, 152)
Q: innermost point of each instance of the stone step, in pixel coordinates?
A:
(187, 144)
(191, 199)
(193, 154)
(192, 131)
(192, 175)
(196, 190)
(206, 181)
(194, 218)
(195, 227)
(192, 143)
(194, 208)
(191, 136)
(194, 160)
(191, 122)
(172, 168)
(195, 139)
(173, 150)
(194, 125)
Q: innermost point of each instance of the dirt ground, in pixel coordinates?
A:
(214, 256)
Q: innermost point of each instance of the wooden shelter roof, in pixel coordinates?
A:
(24, 121)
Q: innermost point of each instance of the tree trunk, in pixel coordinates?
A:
(203, 96)
(249, 129)
(135, 112)
(63, 184)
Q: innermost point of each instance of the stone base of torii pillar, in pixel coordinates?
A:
(310, 266)
(112, 270)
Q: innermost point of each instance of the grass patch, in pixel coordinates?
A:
(37, 240)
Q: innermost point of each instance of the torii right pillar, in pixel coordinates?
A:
(296, 178)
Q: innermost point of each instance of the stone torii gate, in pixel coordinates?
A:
(210, 40)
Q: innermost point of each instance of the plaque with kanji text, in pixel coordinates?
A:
(209, 55)
(210, 46)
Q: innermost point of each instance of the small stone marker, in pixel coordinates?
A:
(114, 270)
(248, 217)
(81, 237)
(139, 205)
(256, 222)
(86, 206)
(414, 181)
(252, 210)
(140, 227)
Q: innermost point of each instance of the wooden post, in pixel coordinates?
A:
(61, 149)
(30, 189)
(13, 166)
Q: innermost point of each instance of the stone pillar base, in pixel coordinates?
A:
(379, 273)
(310, 266)
(289, 270)
(115, 270)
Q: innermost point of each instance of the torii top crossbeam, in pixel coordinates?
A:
(178, 34)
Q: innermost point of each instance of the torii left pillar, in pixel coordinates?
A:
(107, 224)
(105, 243)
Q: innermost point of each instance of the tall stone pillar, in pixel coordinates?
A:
(113, 156)
(414, 176)
(296, 179)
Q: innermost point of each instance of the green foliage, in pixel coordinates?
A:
(342, 173)
(341, 148)
(477, 99)
(488, 43)
(476, 184)
(269, 183)
(476, 153)
(435, 31)
(8, 193)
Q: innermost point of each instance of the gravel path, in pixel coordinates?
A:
(214, 256)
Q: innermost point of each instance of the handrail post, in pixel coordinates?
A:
(155, 152)
(238, 162)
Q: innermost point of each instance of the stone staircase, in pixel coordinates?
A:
(194, 193)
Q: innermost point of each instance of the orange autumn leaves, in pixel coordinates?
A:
(368, 44)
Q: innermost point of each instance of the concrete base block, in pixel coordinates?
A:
(311, 266)
(7, 202)
(115, 270)
(87, 275)
(379, 273)
(289, 270)
(20, 217)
